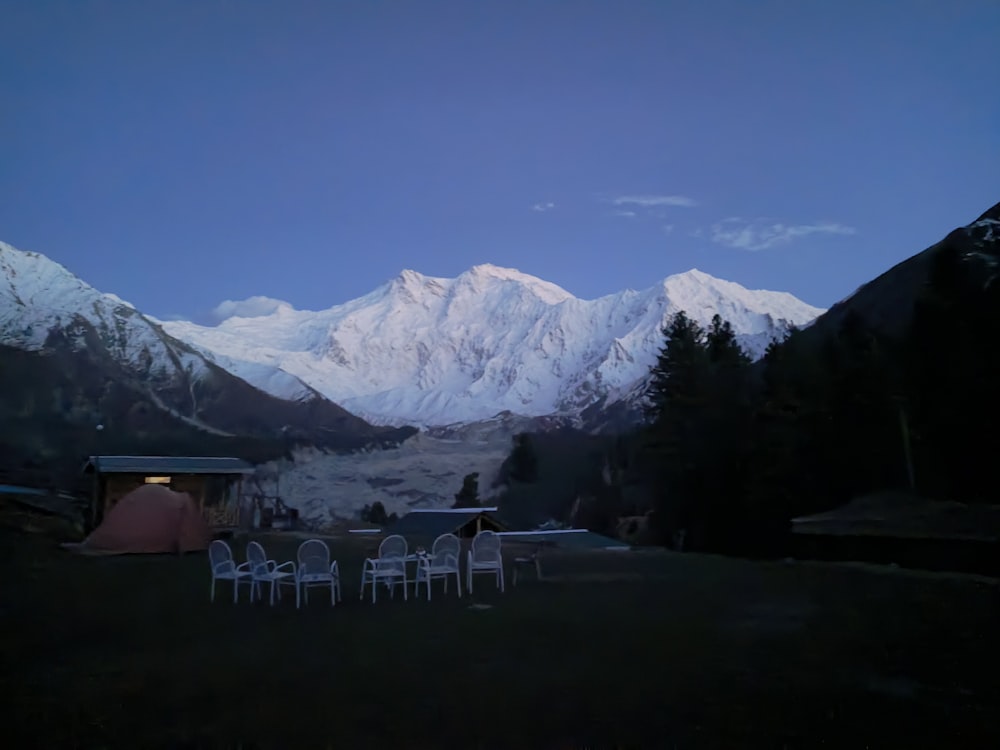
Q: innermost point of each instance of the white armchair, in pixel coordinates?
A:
(315, 569)
(441, 563)
(224, 568)
(485, 557)
(263, 570)
(389, 567)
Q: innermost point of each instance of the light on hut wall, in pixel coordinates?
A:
(157, 480)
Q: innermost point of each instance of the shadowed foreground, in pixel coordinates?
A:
(621, 649)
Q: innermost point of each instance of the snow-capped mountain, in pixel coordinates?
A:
(38, 295)
(46, 309)
(435, 351)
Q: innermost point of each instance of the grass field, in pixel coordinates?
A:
(619, 650)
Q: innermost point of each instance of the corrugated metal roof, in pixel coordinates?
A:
(473, 511)
(167, 465)
(432, 524)
(567, 539)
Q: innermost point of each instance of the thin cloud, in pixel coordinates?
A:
(626, 214)
(251, 307)
(668, 228)
(650, 201)
(761, 234)
(543, 207)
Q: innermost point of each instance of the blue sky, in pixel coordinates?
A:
(183, 153)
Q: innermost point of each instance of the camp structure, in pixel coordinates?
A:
(150, 519)
(428, 524)
(912, 532)
(214, 484)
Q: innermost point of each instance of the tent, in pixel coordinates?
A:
(151, 518)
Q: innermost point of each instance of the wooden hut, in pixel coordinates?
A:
(215, 484)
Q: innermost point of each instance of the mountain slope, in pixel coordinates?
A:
(886, 302)
(436, 351)
(113, 350)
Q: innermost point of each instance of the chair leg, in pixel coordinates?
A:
(458, 583)
(211, 597)
(500, 577)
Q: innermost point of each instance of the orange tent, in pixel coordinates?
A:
(151, 518)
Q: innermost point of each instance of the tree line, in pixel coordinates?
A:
(731, 449)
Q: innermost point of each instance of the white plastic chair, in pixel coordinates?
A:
(485, 557)
(315, 569)
(442, 563)
(389, 567)
(224, 568)
(263, 570)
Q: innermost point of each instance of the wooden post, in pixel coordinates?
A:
(95, 498)
(239, 502)
(907, 451)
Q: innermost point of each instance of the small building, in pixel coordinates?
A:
(215, 484)
(912, 532)
(427, 524)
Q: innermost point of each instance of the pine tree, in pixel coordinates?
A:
(468, 496)
(681, 363)
(375, 514)
(721, 345)
(671, 442)
(523, 459)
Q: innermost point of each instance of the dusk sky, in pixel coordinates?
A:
(180, 154)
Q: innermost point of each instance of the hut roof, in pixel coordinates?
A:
(897, 514)
(167, 465)
(567, 539)
(426, 522)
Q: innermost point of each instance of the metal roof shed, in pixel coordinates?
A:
(215, 483)
(429, 524)
(166, 465)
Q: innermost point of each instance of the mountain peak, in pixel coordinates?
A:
(695, 274)
(409, 276)
(551, 293)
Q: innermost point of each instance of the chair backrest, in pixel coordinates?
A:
(391, 552)
(392, 546)
(314, 557)
(257, 558)
(446, 548)
(220, 557)
(486, 546)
